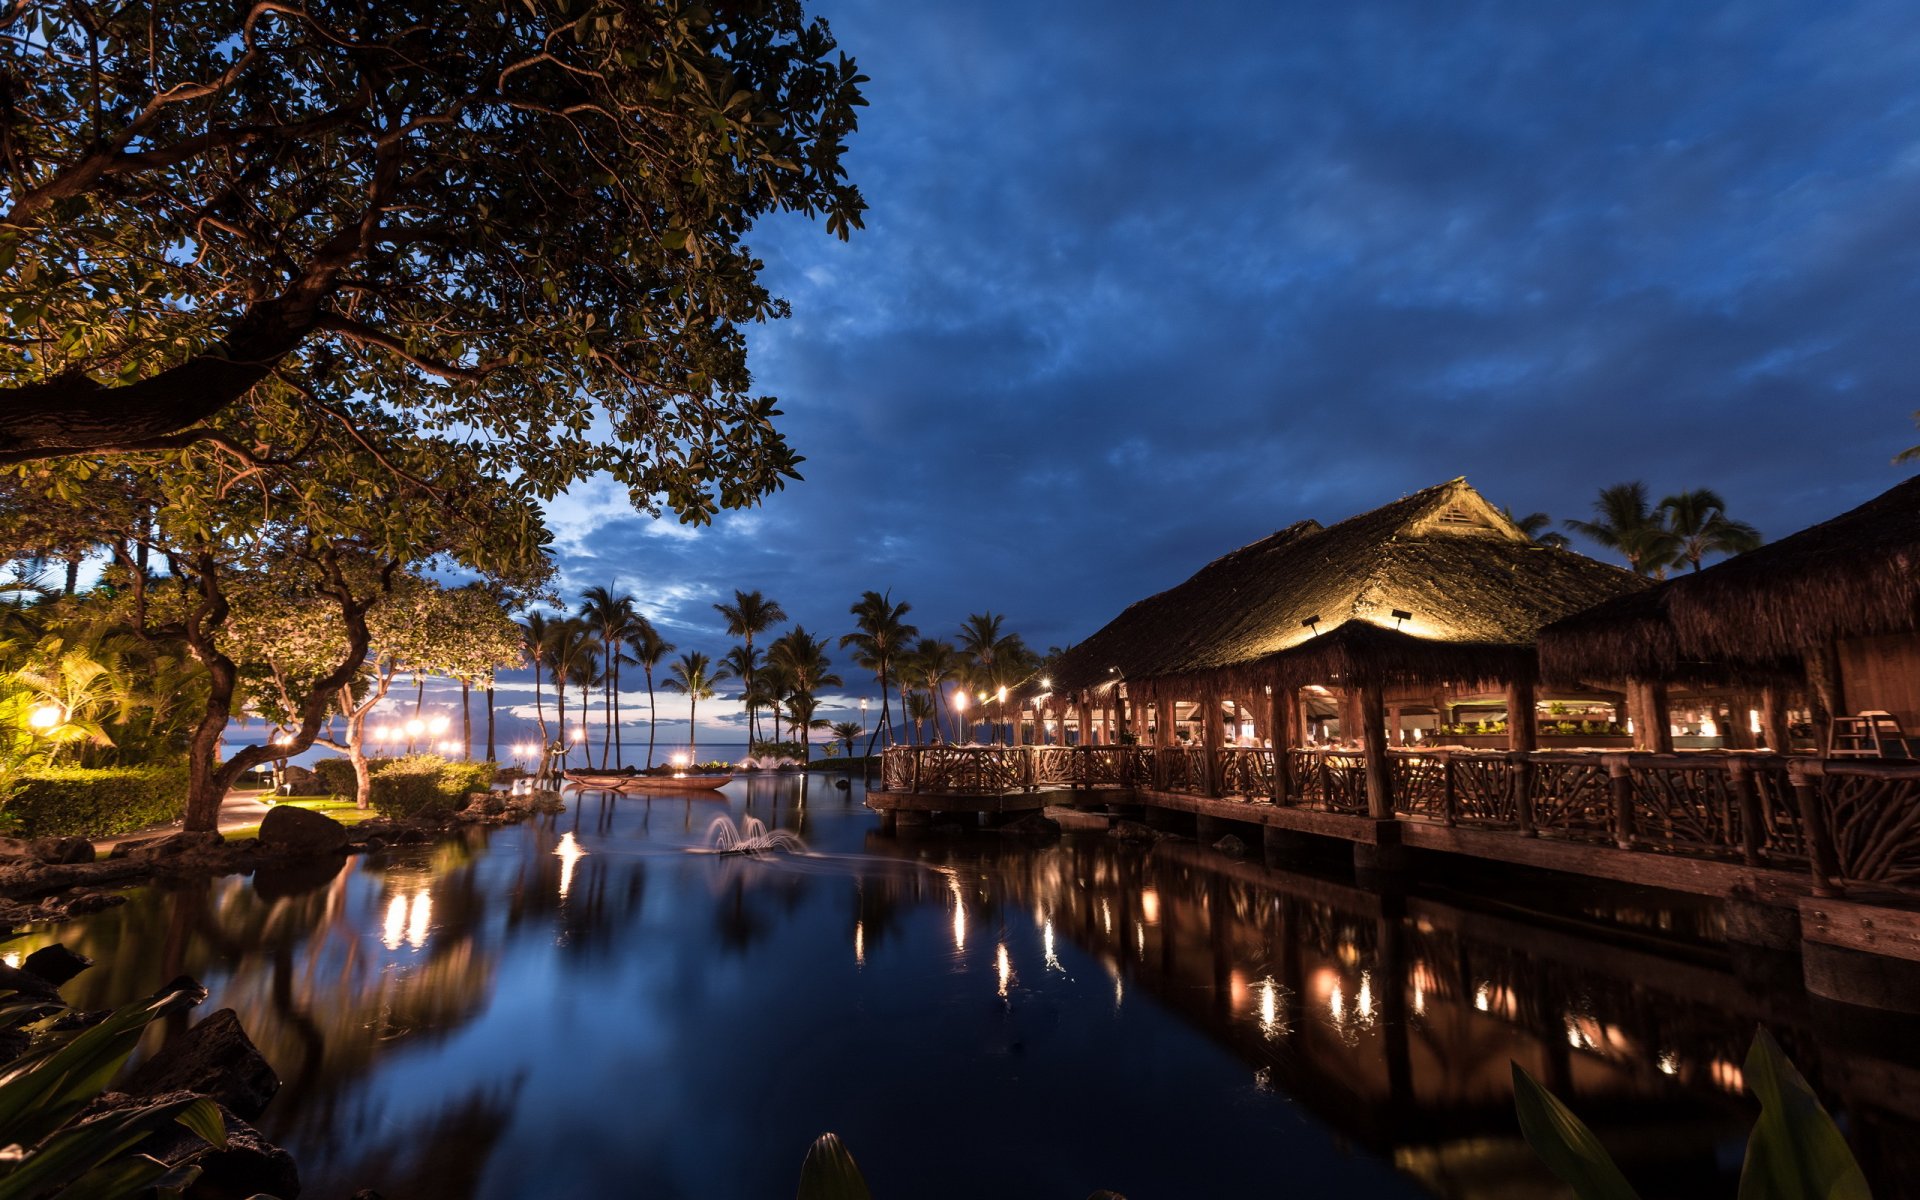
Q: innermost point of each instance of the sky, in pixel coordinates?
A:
(1139, 286)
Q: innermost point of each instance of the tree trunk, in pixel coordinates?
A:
(466, 721)
(652, 718)
(490, 754)
(693, 729)
(619, 751)
(73, 573)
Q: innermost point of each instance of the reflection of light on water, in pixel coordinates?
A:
(1106, 918)
(1269, 1009)
(1119, 986)
(570, 854)
(1483, 997)
(1365, 999)
(1337, 1004)
(1004, 965)
(1726, 1075)
(1423, 982)
(396, 925)
(1263, 1079)
(859, 943)
(1669, 1063)
(959, 916)
(1150, 905)
(1046, 941)
(11, 959)
(419, 918)
(1140, 938)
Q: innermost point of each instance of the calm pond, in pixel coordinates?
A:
(583, 1006)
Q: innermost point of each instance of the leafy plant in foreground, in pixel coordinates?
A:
(1795, 1151)
(49, 1150)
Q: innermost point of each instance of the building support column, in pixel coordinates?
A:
(1825, 696)
(1283, 719)
(1774, 724)
(1523, 738)
(1373, 733)
(1210, 733)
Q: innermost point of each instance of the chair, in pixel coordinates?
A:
(1869, 734)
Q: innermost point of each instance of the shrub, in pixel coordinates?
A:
(336, 774)
(97, 802)
(426, 784)
(791, 750)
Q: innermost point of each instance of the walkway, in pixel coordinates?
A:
(240, 810)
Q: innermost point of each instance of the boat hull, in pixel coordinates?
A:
(649, 783)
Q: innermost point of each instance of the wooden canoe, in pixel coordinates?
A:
(689, 782)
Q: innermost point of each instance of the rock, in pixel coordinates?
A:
(842, 785)
(27, 984)
(1231, 846)
(62, 851)
(288, 827)
(15, 847)
(93, 902)
(490, 803)
(214, 1058)
(1033, 825)
(297, 780)
(1132, 831)
(56, 964)
(176, 844)
(410, 836)
(249, 1166)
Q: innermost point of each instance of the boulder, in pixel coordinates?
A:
(93, 902)
(296, 780)
(1033, 825)
(27, 984)
(176, 844)
(249, 1166)
(1231, 846)
(1133, 831)
(56, 964)
(288, 827)
(214, 1058)
(62, 851)
(12, 847)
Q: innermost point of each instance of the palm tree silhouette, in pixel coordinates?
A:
(609, 616)
(934, 663)
(648, 649)
(1538, 526)
(881, 635)
(1625, 522)
(694, 677)
(803, 659)
(750, 613)
(1700, 523)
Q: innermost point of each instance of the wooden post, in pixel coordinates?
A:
(1747, 802)
(1210, 731)
(1283, 719)
(1620, 790)
(1449, 794)
(1373, 733)
(1121, 695)
(1813, 820)
(1773, 719)
(1395, 736)
(1523, 737)
(1081, 719)
(1824, 694)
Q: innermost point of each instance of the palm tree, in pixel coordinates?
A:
(882, 634)
(584, 672)
(844, 732)
(608, 615)
(648, 649)
(538, 633)
(745, 662)
(695, 678)
(771, 687)
(570, 641)
(918, 708)
(934, 664)
(1538, 526)
(803, 659)
(750, 613)
(1624, 521)
(1699, 521)
(800, 710)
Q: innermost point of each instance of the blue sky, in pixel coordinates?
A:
(1139, 286)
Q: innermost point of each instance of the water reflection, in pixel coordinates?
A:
(579, 1005)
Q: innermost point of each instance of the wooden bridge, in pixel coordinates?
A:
(1808, 848)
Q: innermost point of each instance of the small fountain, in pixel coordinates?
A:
(751, 836)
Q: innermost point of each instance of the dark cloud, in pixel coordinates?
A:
(1140, 286)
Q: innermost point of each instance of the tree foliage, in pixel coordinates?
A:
(253, 226)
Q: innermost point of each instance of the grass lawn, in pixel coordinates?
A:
(340, 810)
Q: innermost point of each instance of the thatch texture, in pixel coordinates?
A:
(1753, 616)
(1477, 588)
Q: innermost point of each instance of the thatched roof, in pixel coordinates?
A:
(1477, 588)
(1754, 614)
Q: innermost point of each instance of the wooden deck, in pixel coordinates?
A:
(1829, 849)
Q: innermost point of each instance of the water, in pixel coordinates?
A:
(586, 1006)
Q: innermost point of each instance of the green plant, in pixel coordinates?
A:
(776, 750)
(1795, 1151)
(336, 774)
(52, 1151)
(829, 1172)
(97, 802)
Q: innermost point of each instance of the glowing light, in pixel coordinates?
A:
(1364, 998)
(46, 716)
(415, 727)
(570, 854)
(1337, 1004)
(438, 725)
(1669, 1063)
(1726, 1075)
(11, 959)
(1269, 1009)
(678, 760)
(580, 735)
(1046, 681)
(1753, 720)
(1708, 728)
(959, 916)
(960, 701)
(859, 943)
(1483, 997)
(395, 931)
(419, 917)
(1150, 905)
(1140, 938)
(1002, 695)
(1046, 943)
(1106, 917)
(1004, 966)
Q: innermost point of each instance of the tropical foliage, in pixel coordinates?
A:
(1681, 530)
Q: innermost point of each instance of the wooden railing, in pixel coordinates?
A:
(1848, 822)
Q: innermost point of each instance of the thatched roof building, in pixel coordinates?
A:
(1755, 616)
(1437, 587)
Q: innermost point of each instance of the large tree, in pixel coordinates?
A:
(521, 220)
(880, 639)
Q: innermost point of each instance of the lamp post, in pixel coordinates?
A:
(415, 727)
(960, 710)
